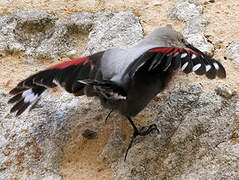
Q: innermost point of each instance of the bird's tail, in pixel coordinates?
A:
(108, 89)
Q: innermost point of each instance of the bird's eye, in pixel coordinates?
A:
(182, 39)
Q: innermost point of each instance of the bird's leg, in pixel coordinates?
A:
(135, 134)
(142, 132)
(107, 117)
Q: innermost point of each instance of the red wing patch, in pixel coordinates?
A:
(174, 50)
(72, 62)
(66, 74)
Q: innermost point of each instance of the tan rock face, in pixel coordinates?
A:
(70, 156)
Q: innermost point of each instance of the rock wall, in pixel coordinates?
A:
(38, 34)
(198, 122)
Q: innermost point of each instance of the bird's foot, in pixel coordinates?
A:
(143, 131)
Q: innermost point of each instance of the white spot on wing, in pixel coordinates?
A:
(193, 56)
(27, 92)
(56, 82)
(184, 66)
(29, 96)
(196, 67)
(82, 81)
(208, 67)
(216, 65)
(184, 55)
(118, 96)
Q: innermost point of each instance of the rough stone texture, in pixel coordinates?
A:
(190, 12)
(89, 134)
(224, 91)
(36, 33)
(233, 52)
(198, 139)
(195, 25)
(8, 43)
(200, 41)
(113, 30)
(222, 27)
(39, 34)
(115, 148)
(186, 10)
(32, 146)
(83, 20)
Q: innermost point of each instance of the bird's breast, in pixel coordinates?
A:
(141, 90)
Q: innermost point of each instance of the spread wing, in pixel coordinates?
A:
(65, 74)
(170, 58)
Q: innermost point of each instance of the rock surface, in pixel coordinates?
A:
(197, 139)
(186, 10)
(233, 52)
(114, 149)
(195, 143)
(113, 30)
(39, 34)
(32, 146)
(191, 13)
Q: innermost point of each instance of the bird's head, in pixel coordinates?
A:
(171, 36)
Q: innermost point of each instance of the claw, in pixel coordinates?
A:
(151, 128)
(141, 132)
(130, 145)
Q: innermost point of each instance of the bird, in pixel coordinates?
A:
(124, 79)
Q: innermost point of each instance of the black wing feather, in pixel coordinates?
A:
(168, 62)
(177, 61)
(189, 67)
(164, 59)
(156, 60)
(197, 61)
(67, 74)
